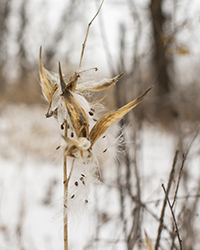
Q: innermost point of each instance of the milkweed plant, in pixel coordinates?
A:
(77, 116)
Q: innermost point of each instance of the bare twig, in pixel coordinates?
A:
(171, 176)
(86, 36)
(136, 224)
(184, 155)
(173, 216)
(183, 197)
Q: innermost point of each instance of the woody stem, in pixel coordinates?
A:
(65, 215)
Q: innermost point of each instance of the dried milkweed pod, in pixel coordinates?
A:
(99, 86)
(48, 85)
(109, 119)
(78, 117)
(82, 147)
(77, 147)
(54, 85)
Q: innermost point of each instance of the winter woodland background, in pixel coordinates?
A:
(155, 42)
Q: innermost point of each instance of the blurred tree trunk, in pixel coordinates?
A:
(4, 14)
(160, 60)
(23, 64)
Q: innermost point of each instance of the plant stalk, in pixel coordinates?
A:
(65, 201)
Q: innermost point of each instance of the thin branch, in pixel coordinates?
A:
(86, 36)
(174, 218)
(171, 176)
(136, 224)
(184, 155)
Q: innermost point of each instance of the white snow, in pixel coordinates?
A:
(31, 185)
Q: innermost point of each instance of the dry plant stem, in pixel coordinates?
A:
(179, 178)
(184, 155)
(171, 176)
(173, 216)
(86, 36)
(65, 181)
(134, 232)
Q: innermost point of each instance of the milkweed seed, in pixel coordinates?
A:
(91, 113)
(76, 183)
(72, 196)
(83, 175)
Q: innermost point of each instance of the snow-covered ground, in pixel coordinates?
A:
(31, 186)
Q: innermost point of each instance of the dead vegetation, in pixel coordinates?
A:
(170, 218)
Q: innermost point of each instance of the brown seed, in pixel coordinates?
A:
(86, 201)
(83, 175)
(62, 126)
(92, 109)
(72, 196)
(58, 147)
(83, 183)
(95, 120)
(65, 206)
(91, 113)
(72, 134)
(81, 178)
(76, 183)
(105, 150)
(104, 136)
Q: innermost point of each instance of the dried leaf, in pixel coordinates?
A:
(148, 242)
(76, 113)
(109, 119)
(182, 50)
(48, 86)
